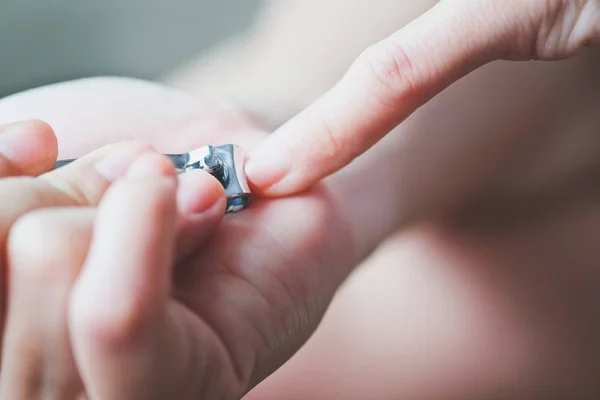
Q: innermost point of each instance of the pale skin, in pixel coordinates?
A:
(446, 242)
(497, 102)
(200, 205)
(280, 275)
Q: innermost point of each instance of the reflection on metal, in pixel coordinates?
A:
(225, 163)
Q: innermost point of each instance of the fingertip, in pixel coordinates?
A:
(151, 184)
(198, 192)
(43, 143)
(30, 145)
(148, 188)
(266, 167)
(201, 202)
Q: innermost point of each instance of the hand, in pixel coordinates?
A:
(396, 76)
(247, 298)
(135, 234)
(30, 148)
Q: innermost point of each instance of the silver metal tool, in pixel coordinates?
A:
(226, 163)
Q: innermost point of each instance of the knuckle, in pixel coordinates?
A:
(46, 248)
(565, 28)
(391, 66)
(330, 143)
(590, 18)
(107, 321)
(35, 248)
(83, 189)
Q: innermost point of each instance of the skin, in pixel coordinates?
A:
(523, 354)
(25, 376)
(496, 297)
(443, 240)
(455, 231)
(525, 357)
(394, 77)
(26, 148)
(200, 203)
(240, 304)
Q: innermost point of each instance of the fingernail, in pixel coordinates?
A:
(265, 168)
(198, 193)
(151, 165)
(13, 145)
(116, 164)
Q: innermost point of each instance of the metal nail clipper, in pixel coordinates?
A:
(226, 163)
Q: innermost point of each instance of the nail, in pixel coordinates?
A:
(116, 164)
(15, 140)
(265, 167)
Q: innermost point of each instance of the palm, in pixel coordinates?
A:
(258, 287)
(246, 289)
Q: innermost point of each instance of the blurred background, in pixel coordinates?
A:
(47, 41)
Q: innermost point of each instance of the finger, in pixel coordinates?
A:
(385, 85)
(201, 204)
(393, 78)
(79, 184)
(201, 198)
(37, 360)
(41, 282)
(27, 148)
(118, 305)
(86, 179)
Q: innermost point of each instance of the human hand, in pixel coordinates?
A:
(527, 260)
(393, 78)
(30, 149)
(143, 209)
(248, 297)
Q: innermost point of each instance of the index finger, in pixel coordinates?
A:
(396, 76)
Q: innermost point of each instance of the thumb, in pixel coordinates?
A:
(86, 179)
(26, 148)
(394, 77)
(80, 184)
(70, 187)
(200, 197)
